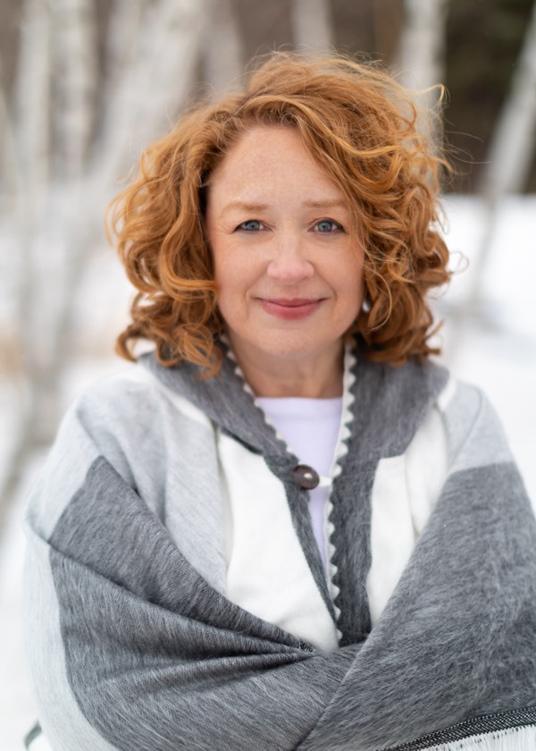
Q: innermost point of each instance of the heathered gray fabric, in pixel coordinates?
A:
(389, 404)
(135, 428)
(167, 641)
(66, 727)
(460, 627)
(227, 403)
(158, 659)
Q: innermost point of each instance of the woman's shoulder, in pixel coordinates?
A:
(131, 395)
(130, 417)
(124, 424)
(461, 432)
(472, 428)
(461, 400)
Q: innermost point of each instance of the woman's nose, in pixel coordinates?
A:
(289, 261)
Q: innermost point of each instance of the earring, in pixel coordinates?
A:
(365, 305)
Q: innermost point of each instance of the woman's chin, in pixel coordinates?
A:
(285, 342)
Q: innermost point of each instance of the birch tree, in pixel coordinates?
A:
(122, 42)
(28, 129)
(148, 94)
(151, 79)
(312, 26)
(75, 80)
(421, 55)
(142, 101)
(75, 83)
(509, 157)
(223, 54)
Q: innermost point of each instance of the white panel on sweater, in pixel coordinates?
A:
(267, 572)
(404, 492)
(392, 536)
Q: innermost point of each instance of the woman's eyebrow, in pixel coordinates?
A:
(319, 204)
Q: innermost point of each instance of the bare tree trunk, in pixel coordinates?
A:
(32, 96)
(38, 319)
(10, 177)
(143, 98)
(74, 32)
(421, 54)
(510, 155)
(124, 29)
(151, 91)
(422, 44)
(30, 177)
(33, 168)
(155, 84)
(222, 49)
(312, 25)
(513, 143)
(74, 73)
(124, 32)
(75, 82)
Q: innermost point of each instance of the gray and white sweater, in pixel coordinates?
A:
(176, 596)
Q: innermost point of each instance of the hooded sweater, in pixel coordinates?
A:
(176, 596)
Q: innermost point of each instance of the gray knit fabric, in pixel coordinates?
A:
(132, 646)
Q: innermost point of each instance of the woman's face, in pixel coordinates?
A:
(278, 229)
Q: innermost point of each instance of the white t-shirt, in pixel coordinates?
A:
(310, 428)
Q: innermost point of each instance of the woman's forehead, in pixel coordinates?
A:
(263, 149)
(258, 167)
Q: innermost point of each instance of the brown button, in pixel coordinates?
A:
(305, 477)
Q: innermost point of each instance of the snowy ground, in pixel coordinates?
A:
(500, 357)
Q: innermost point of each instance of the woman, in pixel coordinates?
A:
(285, 527)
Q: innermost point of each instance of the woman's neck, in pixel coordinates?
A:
(318, 376)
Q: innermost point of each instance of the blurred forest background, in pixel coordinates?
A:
(86, 84)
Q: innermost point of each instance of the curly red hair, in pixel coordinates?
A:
(361, 126)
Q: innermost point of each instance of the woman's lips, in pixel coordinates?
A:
(290, 312)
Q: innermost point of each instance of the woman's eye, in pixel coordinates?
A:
(244, 226)
(327, 226)
(327, 223)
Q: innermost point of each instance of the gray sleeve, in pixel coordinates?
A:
(461, 621)
(129, 647)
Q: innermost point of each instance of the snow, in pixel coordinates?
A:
(499, 356)
(18, 707)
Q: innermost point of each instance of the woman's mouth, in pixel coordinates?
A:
(290, 309)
